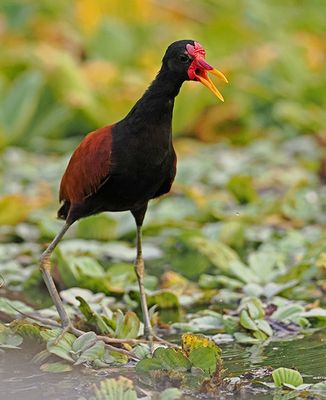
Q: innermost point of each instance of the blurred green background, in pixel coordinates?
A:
(69, 67)
(249, 184)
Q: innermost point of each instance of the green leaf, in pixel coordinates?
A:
(164, 359)
(255, 307)
(204, 358)
(241, 337)
(148, 364)
(84, 342)
(172, 359)
(92, 317)
(93, 353)
(62, 347)
(56, 367)
(287, 376)
(128, 326)
(264, 326)
(141, 351)
(288, 312)
(247, 322)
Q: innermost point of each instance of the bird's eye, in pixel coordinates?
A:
(184, 58)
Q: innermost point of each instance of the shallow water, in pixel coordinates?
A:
(21, 379)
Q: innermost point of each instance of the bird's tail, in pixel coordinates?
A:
(64, 210)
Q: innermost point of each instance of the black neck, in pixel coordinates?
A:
(156, 104)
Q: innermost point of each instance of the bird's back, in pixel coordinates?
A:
(117, 168)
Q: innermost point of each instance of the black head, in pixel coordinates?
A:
(177, 59)
(186, 60)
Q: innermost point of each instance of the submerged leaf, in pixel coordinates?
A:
(56, 367)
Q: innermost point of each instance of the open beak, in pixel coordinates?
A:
(199, 69)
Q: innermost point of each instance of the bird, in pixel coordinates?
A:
(120, 167)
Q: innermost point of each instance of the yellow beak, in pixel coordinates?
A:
(203, 77)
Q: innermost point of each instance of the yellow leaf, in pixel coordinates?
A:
(190, 342)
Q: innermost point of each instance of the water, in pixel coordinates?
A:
(20, 379)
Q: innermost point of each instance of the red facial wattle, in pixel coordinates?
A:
(199, 67)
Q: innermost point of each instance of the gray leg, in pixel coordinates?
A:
(45, 266)
(139, 269)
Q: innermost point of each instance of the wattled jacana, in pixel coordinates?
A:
(122, 166)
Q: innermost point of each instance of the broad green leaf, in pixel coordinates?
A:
(288, 376)
(128, 327)
(288, 312)
(264, 326)
(204, 358)
(260, 335)
(92, 317)
(172, 359)
(254, 307)
(247, 322)
(93, 353)
(62, 347)
(84, 342)
(148, 364)
(141, 351)
(113, 357)
(241, 337)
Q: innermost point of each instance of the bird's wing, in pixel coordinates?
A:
(88, 166)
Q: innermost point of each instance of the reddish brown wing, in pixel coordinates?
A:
(88, 167)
